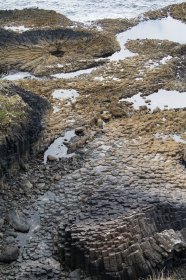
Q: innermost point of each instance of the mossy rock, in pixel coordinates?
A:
(17, 106)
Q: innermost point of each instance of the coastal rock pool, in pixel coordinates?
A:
(161, 99)
(65, 94)
(58, 149)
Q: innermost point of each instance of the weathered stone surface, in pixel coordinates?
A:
(133, 245)
(21, 129)
(33, 18)
(9, 254)
(120, 199)
(18, 221)
(43, 51)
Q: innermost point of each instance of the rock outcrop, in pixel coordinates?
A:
(21, 125)
(33, 18)
(128, 247)
(45, 51)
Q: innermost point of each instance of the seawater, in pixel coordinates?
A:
(88, 10)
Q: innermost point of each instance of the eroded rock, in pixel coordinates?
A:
(9, 254)
(18, 221)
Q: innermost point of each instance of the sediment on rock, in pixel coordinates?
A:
(21, 125)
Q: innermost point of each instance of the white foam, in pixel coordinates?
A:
(88, 10)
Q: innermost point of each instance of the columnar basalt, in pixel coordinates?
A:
(127, 247)
(21, 125)
(116, 208)
(45, 51)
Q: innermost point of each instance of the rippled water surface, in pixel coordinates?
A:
(86, 10)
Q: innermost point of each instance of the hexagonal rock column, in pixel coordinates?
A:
(127, 247)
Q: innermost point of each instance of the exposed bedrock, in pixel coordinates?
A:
(45, 51)
(21, 125)
(33, 18)
(128, 247)
(176, 11)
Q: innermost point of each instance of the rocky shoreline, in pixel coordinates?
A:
(113, 206)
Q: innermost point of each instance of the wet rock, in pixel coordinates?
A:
(21, 129)
(9, 253)
(106, 116)
(26, 184)
(75, 275)
(1, 223)
(18, 221)
(184, 156)
(80, 131)
(100, 123)
(51, 158)
(57, 177)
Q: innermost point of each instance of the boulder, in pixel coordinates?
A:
(18, 221)
(9, 253)
(51, 158)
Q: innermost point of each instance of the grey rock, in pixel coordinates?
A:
(18, 221)
(9, 253)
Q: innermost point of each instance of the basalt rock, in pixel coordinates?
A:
(33, 18)
(21, 125)
(128, 247)
(176, 11)
(44, 51)
(18, 221)
(9, 254)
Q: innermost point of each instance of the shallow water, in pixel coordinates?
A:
(177, 138)
(58, 149)
(63, 94)
(74, 74)
(161, 29)
(87, 10)
(14, 76)
(162, 99)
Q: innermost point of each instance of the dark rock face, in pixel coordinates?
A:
(128, 247)
(9, 253)
(18, 139)
(18, 221)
